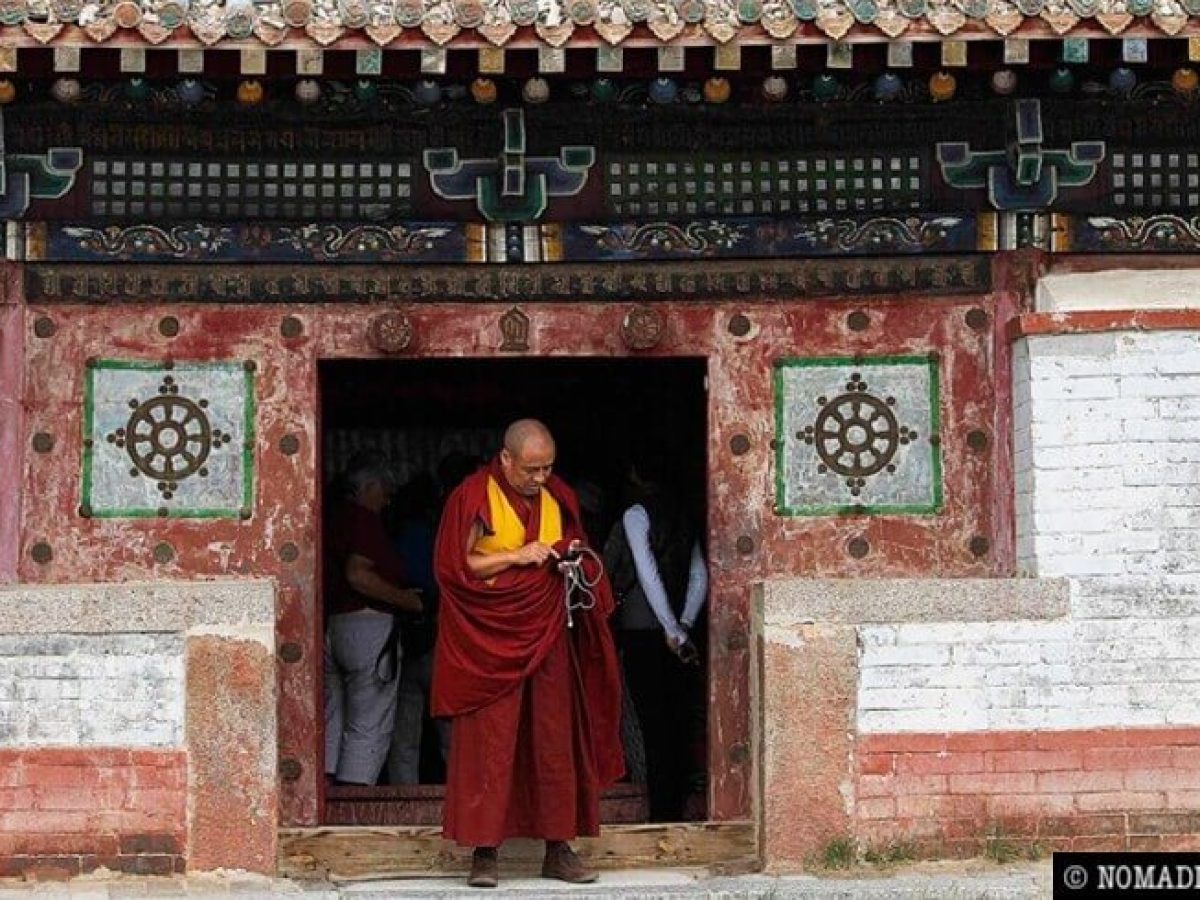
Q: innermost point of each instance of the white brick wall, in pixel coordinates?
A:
(1107, 453)
(1128, 655)
(1107, 473)
(92, 690)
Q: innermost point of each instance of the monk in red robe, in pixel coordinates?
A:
(535, 703)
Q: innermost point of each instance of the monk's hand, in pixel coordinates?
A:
(535, 553)
(409, 600)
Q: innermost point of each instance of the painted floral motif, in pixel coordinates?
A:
(1137, 233)
(692, 238)
(326, 243)
(884, 233)
(182, 241)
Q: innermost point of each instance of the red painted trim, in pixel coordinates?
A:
(12, 427)
(1092, 321)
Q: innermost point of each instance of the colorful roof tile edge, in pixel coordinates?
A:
(557, 22)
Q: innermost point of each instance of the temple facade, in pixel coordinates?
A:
(910, 287)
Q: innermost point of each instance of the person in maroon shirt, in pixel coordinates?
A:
(365, 588)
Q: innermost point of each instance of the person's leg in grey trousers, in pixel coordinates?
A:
(404, 758)
(368, 702)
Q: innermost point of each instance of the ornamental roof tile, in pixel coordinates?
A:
(557, 22)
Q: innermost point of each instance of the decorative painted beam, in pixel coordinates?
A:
(515, 187)
(34, 176)
(1025, 175)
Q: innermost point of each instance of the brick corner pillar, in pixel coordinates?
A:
(233, 794)
(808, 681)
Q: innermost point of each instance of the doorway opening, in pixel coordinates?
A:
(429, 422)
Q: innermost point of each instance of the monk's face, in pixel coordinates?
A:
(528, 467)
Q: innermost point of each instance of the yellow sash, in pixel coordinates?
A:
(508, 531)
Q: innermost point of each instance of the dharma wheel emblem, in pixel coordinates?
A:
(168, 438)
(856, 434)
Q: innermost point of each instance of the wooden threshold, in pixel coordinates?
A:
(361, 854)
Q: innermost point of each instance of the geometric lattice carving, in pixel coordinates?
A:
(168, 439)
(857, 436)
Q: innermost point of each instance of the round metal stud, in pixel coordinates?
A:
(736, 641)
(979, 546)
(250, 365)
(168, 326)
(289, 552)
(391, 332)
(744, 545)
(44, 327)
(739, 325)
(244, 513)
(290, 769)
(739, 445)
(41, 553)
(858, 547)
(291, 327)
(43, 442)
(289, 445)
(977, 319)
(85, 510)
(642, 328)
(291, 652)
(739, 753)
(163, 553)
(977, 439)
(858, 321)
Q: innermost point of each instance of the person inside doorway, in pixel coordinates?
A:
(654, 559)
(366, 586)
(418, 509)
(414, 519)
(534, 699)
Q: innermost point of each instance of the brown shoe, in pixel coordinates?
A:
(485, 870)
(564, 864)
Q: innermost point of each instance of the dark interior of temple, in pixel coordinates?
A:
(602, 412)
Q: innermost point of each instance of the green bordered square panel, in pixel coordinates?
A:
(168, 439)
(857, 435)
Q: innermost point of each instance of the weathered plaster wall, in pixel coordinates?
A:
(747, 540)
(1066, 725)
(137, 727)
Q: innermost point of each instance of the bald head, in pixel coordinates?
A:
(528, 456)
(520, 432)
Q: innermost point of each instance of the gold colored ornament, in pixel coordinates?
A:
(717, 90)
(942, 86)
(250, 93)
(1185, 81)
(484, 90)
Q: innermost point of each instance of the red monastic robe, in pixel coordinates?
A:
(536, 706)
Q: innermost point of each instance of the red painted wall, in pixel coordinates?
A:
(952, 794)
(12, 370)
(741, 487)
(71, 810)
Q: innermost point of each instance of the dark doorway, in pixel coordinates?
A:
(417, 415)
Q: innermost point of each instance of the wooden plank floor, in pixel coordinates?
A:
(363, 853)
